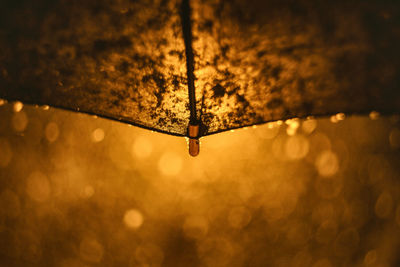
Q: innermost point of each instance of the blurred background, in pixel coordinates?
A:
(76, 190)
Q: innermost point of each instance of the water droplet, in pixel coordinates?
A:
(18, 106)
(374, 115)
(322, 263)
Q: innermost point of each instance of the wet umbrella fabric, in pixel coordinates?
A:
(253, 61)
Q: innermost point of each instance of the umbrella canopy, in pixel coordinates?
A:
(239, 62)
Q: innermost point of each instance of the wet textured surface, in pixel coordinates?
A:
(76, 191)
(260, 60)
(255, 61)
(119, 59)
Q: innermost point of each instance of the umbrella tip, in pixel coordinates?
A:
(194, 147)
(194, 144)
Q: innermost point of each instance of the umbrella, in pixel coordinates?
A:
(199, 68)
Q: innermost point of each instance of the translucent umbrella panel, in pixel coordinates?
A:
(261, 61)
(254, 61)
(123, 60)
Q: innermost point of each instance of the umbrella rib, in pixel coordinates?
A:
(187, 36)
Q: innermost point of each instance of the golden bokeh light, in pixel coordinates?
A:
(170, 164)
(309, 126)
(133, 219)
(52, 132)
(327, 163)
(296, 147)
(239, 217)
(98, 135)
